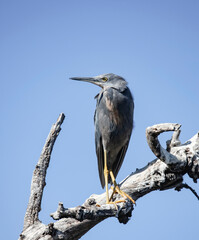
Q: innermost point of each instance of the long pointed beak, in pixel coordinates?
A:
(88, 79)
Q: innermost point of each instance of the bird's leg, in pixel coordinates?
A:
(106, 173)
(113, 188)
(118, 190)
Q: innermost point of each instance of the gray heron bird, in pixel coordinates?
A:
(113, 127)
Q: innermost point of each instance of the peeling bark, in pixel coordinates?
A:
(165, 172)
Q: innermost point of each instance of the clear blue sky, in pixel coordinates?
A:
(153, 44)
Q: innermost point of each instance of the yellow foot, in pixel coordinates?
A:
(118, 190)
(122, 193)
(110, 202)
(115, 203)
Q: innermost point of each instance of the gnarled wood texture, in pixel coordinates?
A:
(165, 172)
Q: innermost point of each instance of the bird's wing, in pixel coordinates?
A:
(98, 144)
(119, 159)
(100, 157)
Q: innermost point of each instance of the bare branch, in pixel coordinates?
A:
(73, 223)
(185, 185)
(152, 134)
(39, 175)
(192, 156)
(154, 176)
(95, 212)
(174, 142)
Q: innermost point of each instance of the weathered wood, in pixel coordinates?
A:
(39, 175)
(152, 134)
(163, 173)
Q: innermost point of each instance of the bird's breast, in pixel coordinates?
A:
(113, 113)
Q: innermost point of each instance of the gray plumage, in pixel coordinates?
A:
(113, 121)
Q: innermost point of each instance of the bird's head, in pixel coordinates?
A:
(105, 80)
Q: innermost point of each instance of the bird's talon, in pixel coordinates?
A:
(114, 204)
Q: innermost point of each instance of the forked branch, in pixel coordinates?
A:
(163, 173)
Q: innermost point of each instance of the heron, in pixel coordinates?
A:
(113, 121)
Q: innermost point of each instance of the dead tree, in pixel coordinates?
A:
(165, 172)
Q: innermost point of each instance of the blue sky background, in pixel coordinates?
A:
(153, 44)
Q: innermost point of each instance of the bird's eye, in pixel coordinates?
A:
(104, 79)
